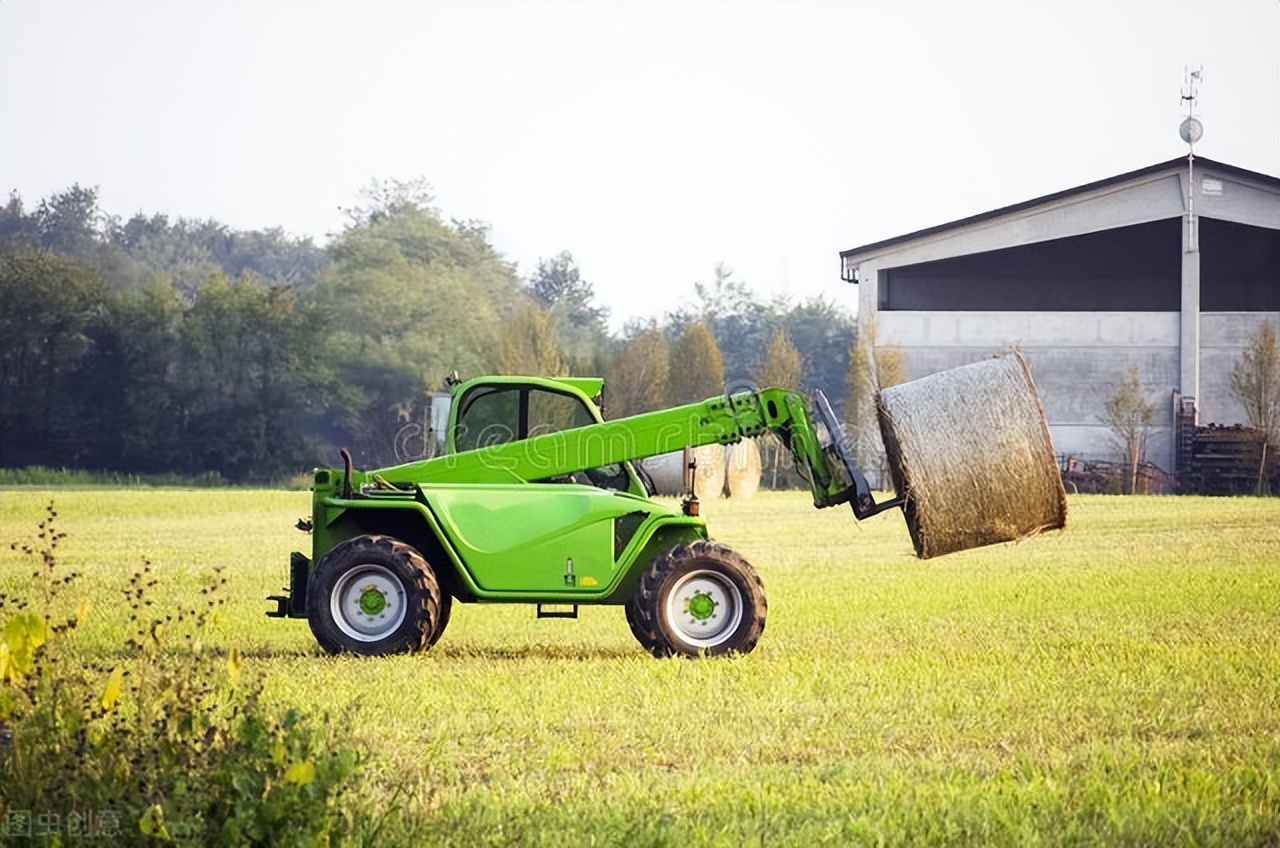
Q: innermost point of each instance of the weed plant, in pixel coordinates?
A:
(1111, 685)
(163, 740)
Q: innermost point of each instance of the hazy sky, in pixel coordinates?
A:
(649, 139)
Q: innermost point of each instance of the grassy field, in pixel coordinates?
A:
(1114, 684)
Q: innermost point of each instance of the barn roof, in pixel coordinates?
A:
(1180, 162)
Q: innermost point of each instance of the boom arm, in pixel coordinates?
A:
(819, 447)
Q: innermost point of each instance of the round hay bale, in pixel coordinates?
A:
(742, 469)
(970, 452)
(667, 471)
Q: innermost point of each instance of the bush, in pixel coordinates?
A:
(171, 745)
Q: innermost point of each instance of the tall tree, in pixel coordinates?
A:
(1255, 384)
(723, 296)
(410, 298)
(821, 331)
(251, 379)
(71, 225)
(781, 367)
(191, 251)
(558, 281)
(49, 307)
(529, 344)
(1128, 413)
(697, 369)
(636, 376)
(579, 322)
(17, 228)
(823, 334)
(68, 222)
(739, 323)
(872, 367)
(1255, 381)
(179, 251)
(153, 386)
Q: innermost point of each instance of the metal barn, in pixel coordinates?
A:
(1170, 268)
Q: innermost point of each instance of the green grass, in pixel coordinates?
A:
(38, 476)
(1117, 683)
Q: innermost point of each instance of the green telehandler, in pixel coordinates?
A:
(534, 498)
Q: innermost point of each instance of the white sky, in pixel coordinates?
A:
(649, 139)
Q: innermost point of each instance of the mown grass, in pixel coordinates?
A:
(1117, 683)
(39, 476)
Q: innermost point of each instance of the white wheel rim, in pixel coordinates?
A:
(704, 609)
(368, 603)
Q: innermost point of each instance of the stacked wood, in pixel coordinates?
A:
(1231, 461)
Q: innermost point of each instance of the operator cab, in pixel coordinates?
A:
(497, 411)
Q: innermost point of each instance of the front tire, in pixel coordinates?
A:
(698, 598)
(374, 595)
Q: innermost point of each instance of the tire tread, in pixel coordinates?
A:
(424, 614)
(643, 609)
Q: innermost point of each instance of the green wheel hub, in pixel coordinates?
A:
(701, 606)
(372, 601)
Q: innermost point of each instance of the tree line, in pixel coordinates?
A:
(150, 345)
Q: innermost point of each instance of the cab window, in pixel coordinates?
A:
(550, 412)
(487, 416)
(494, 415)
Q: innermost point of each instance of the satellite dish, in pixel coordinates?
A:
(1191, 130)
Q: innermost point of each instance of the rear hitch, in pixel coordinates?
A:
(294, 604)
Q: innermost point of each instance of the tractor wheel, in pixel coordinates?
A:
(698, 598)
(446, 611)
(374, 595)
(647, 638)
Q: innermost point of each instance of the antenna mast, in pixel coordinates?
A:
(1191, 131)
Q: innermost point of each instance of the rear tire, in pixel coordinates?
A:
(698, 598)
(446, 612)
(374, 595)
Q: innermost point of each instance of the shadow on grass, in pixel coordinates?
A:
(219, 652)
(514, 653)
(535, 652)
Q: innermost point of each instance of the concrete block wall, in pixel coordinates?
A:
(1077, 360)
(1223, 339)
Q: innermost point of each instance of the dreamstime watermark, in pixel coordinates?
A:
(613, 441)
(415, 441)
(496, 447)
